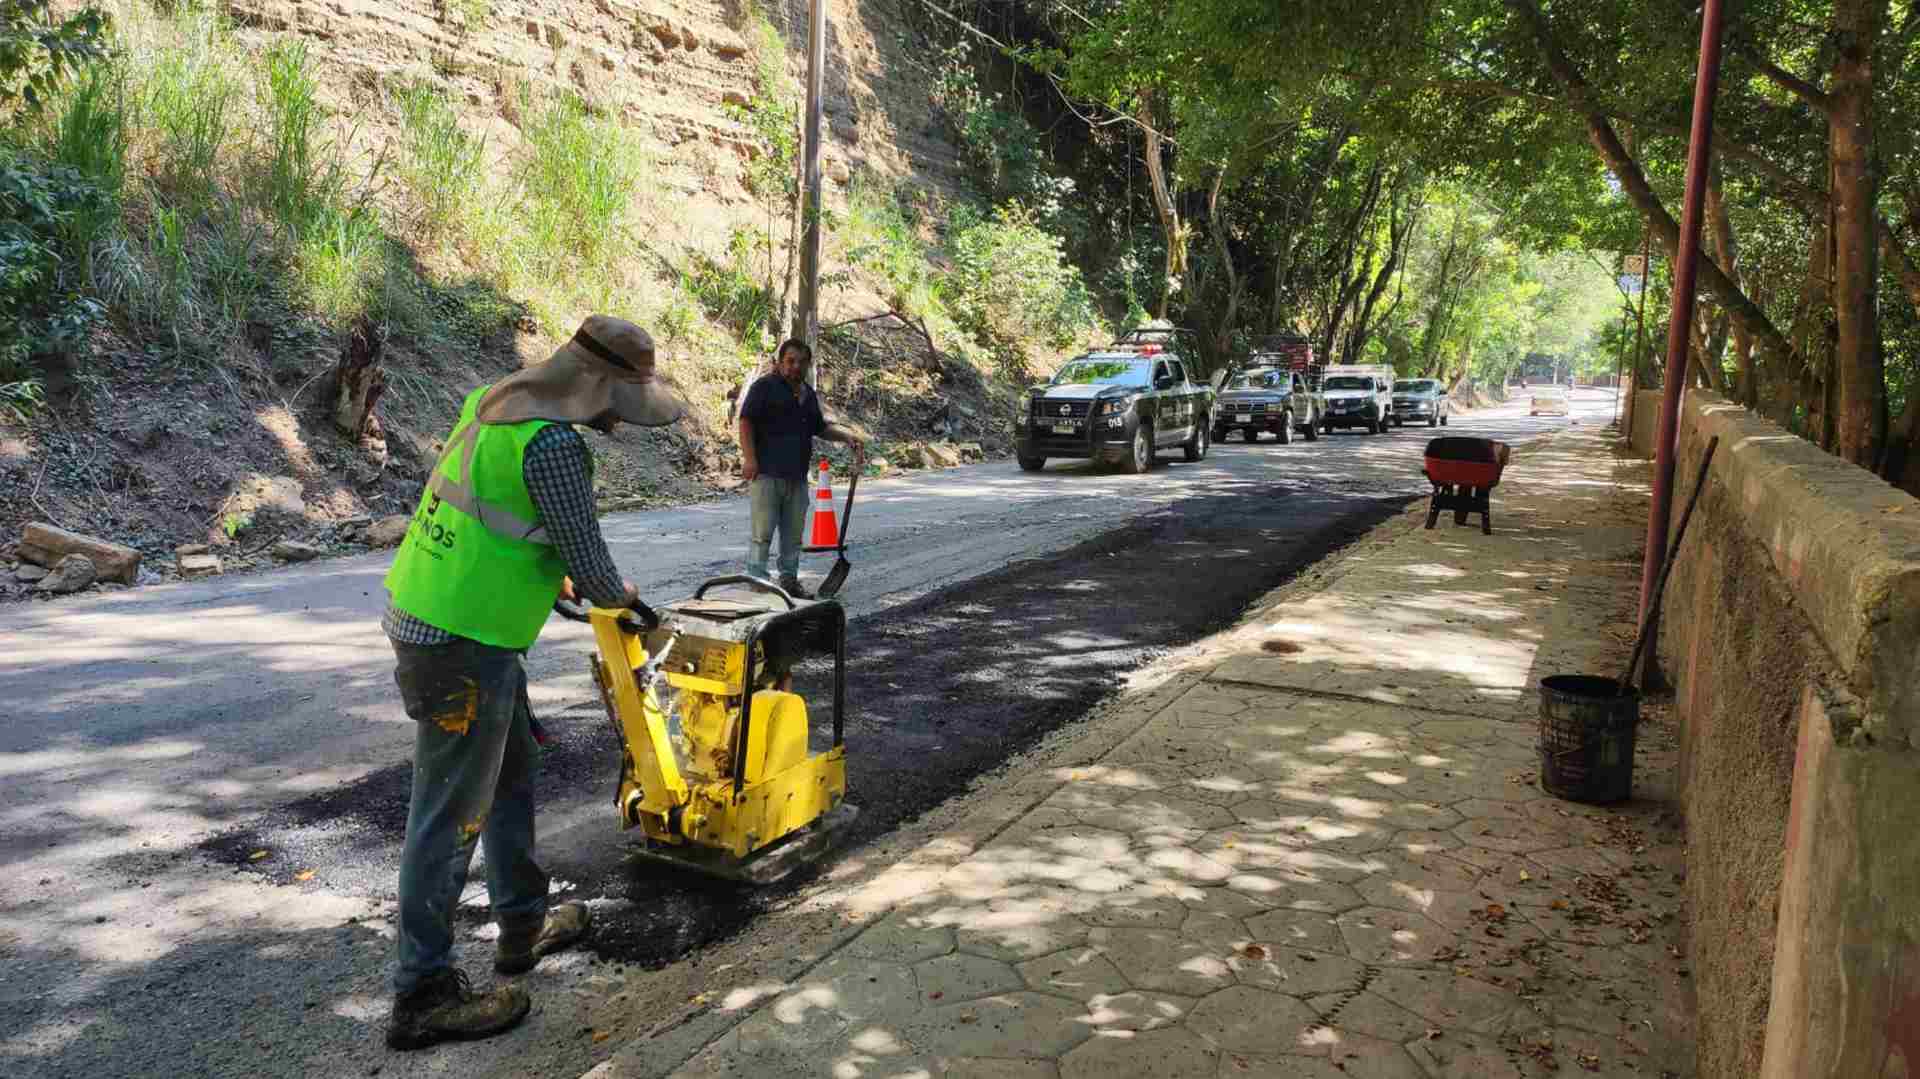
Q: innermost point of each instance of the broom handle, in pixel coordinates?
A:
(1666, 567)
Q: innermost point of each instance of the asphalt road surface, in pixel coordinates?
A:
(205, 783)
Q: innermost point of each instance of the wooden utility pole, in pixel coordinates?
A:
(806, 316)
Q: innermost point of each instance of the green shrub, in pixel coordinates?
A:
(1011, 279)
(45, 314)
(21, 399)
(1009, 160)
(733, 294)
(37, 53)
(882, 237)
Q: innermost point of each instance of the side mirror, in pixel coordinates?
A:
(1164, 382)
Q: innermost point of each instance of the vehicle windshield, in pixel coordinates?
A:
(1347, 382)
(1419, 385)
(1102, 373)
(1548, 391)
(1265, 379)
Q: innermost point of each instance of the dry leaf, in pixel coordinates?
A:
(969, 1017)
(602, 1035)
(256, 856)
(935, 995)
(1558, 904)
(1525, 876)
(304, 875)
(1254, 951)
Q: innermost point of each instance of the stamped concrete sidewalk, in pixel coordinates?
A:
(1319, 852)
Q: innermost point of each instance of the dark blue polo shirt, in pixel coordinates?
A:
(783, 426)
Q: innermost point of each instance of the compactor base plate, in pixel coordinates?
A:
(766, 866)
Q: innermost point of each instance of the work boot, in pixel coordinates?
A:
(793, 587)
(521, 946)
(444, 1008)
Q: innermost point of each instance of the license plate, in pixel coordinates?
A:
(1242, 417)
(1065, 428)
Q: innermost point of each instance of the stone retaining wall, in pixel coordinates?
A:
(1792, 634)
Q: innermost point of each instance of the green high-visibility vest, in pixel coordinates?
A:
(476, 561)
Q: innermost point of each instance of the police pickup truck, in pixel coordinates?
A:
(1358, 395)
(1120, 405)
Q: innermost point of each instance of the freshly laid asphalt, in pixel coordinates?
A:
(156, 742)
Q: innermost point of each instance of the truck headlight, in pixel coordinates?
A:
(1120, 404)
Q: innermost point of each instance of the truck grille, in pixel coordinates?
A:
(1050, 410)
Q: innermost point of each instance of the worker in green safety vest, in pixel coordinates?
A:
(505, 527)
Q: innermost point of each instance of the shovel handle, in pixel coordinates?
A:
(847, 514)
(1652, 618)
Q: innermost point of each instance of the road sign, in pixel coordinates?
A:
(1633, 264)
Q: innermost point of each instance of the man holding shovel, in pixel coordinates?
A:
(779, 419)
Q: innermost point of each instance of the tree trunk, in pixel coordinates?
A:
(358, 383)
(1900, 465)
(1400, 222)
(1163, 206)
(1727, 252)
(1859, 385)
(1286, 250)
(1223, 339)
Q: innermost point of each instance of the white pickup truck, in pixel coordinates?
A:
(1358, 395)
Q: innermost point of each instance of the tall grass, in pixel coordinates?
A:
(302, 180)
(578, 178)
(443, 166)
(192, 73)
(89, 136)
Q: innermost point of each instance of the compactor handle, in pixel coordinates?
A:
(758, 584)
(644, 617)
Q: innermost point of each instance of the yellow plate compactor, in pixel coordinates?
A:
(716, 770)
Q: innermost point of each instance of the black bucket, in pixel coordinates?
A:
(1586, 738)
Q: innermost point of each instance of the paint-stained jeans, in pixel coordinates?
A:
(474, 761)
(777, 504)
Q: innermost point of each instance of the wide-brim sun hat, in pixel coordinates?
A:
(607, 366)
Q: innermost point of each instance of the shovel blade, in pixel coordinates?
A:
(836, 577)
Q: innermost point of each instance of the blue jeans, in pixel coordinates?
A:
(777, 504)
(474, 761)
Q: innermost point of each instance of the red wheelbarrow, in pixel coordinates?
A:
(1464, 471)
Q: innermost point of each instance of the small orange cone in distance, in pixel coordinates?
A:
(826, 529)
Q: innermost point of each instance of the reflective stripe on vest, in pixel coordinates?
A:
(459, 494)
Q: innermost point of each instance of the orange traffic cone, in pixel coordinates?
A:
(826, 529)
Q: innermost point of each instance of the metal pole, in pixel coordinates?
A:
(1685, 266)
(806, 317)
(1620, 364)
